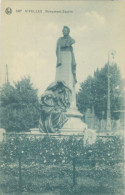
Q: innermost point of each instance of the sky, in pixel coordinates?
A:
(29, 38)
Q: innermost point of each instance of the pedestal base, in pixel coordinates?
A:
(74, 125)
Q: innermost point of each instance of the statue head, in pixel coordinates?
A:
(66, 30)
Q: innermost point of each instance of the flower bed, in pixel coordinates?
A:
(47, 165)
(55, 151)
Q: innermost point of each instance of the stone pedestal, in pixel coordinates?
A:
(74, 125)
(64, 71)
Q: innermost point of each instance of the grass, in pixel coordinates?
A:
(57, 179)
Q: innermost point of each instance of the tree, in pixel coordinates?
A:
(84, 96)
(19, 106)
(93, 92)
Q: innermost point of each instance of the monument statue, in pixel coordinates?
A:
(53, 106)
(58, 103)
(66, 65)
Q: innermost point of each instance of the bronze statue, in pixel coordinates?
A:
(53, 106)
(65, 44)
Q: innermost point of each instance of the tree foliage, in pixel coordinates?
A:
(93, 92)
(19, 106)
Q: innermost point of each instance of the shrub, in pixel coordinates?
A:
(49, 150)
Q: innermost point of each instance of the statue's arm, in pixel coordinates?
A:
(70, 41)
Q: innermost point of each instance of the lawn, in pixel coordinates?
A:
(53, 179)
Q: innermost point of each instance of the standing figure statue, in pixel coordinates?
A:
(66, 65)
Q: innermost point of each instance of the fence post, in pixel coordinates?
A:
(20, 174)
(74, 171)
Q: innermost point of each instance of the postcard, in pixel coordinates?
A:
(62, 93)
